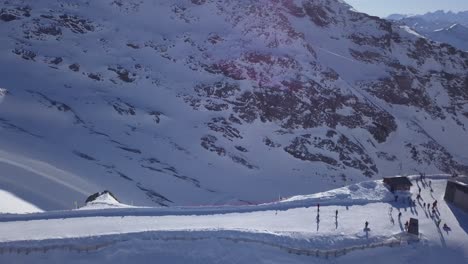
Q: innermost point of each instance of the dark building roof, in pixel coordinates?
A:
(462, 180)
(398, 181)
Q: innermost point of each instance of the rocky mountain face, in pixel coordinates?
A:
(208, 102)
(447, 27)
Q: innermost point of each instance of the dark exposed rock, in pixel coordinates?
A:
(60, 106)
(95, 76)
(293, 9)
(123, 108)
(198, 2)
(404, 90)
(241, 149)
(155, 196)
(6, 124)
(242, 162)
(298, 149)
(319, 14)
(209, 143)
(367, 56)
(351, 154)
(11, 14)
(124, 176)
(75, 23)
(83, 155)
(156, 116)
(25, 54)
(133, 46)
(123, 74)
(386, 156)
(223, 126)
(132, 150)
(94, 196)
(7, 17)
(270, 143)
(221, 90)
(74, 67)
(56, 60)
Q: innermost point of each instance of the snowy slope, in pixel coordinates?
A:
(218, 102)
(275, 235)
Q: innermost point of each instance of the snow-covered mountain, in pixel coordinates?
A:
(211, 102)
(448, 27)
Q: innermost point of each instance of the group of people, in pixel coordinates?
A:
(431, 207)
(411, 203)
(366, 224)
(318, 213)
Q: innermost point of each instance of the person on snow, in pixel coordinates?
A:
(366, 224)
(428, 206)
(399, 215)
(424, 206)
(406, 226)
(419, 190)
(318, 207)
(336, 214)
(418, 196)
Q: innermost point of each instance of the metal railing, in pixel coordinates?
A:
(320, 253)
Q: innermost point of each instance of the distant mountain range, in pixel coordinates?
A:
(448, 27)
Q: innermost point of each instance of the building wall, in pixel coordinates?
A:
(461, 199)
(457, 195)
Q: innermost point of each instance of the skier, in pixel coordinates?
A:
(366, 225)
(318, 207)
(434, 204)
(399, 215)
(336, 214)
(424, 206)
(418, 196)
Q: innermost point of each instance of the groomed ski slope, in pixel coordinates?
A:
(108, 232)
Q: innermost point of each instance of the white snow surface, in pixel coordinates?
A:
(263, 234)
(10, 203)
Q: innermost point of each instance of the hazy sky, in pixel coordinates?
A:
(387, 7)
